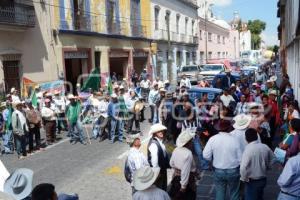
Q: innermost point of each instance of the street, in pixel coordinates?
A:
(95, 171)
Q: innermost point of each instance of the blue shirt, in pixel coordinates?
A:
(113, 110)
(289, 180)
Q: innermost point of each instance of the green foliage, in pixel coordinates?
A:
(275, 49)
(256, 27)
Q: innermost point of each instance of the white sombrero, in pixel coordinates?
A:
(184, 137)
(273, 78)
(241, 121)
(145, 177)
(157, 128)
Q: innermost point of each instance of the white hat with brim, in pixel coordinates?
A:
(166, 82)
(157, 128)
(19, 183)
(12, 90)
(114, 96)
(273, 78)
(253, 105)
(122, 87)
(145, 177)
(184, 137)
(4, 196)
(241, 121)
(162, 90)
(269, 81)
(273, 92)
(17, 103)
(71, 96)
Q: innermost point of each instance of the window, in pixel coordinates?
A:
(186, 25)
(213, 67)
(210, 37)
(201, 56)
(223, 54)
(193, 24)
(219, 54)
(223, 40)
(177, 23)
(156, 15)
(110, 16)
(219, 39)
(167, 18)
(187, 58)
(97, 59)
(200, 35)
(194, 57)
(210, 55)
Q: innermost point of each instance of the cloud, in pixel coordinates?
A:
(270, 39)
(221, 2)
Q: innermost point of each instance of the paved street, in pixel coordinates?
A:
(95, 171)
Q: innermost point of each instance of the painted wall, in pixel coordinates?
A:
(245, 41)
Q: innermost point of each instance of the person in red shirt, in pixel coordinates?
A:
(275, 114)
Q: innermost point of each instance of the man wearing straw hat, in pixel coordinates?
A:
(73, 112)
(20, 129)
(182, 161)
(144, 182)
(157, 154)
(49, 121)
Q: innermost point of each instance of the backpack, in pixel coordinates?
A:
(127, 172)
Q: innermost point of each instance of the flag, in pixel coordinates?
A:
(93, 81)
(34, 99)
(109, 86)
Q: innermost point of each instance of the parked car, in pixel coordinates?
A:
(209, 71)
(192, 72)
(197, 93)
(236, 75)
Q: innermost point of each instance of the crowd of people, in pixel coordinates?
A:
(234, 135)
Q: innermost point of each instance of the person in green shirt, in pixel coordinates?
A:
(73, 117)
(7, 135)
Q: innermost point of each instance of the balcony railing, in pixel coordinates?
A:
(17, 15)
(92, 24)
(162, 34)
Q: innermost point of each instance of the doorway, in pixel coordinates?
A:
(11, 74)
(73, 69)
(119, 66)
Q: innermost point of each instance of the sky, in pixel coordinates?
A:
(265, 10)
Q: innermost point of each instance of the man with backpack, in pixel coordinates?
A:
(134, 161)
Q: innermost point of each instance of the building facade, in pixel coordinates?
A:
(289, 34)
(217, 39)
(175, 31)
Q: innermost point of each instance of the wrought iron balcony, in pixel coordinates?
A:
(17, 15)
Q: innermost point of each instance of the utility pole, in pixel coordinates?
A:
(205, 30)
(169, 64)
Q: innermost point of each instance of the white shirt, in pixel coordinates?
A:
(136, 160)
(152, 96)
(152, 193)
(60, 105)
(22, 120)
(4, 174)
(130, 102)
(154, 152)
(145, 84)
(182, 159)
(241, 137)
(226, 99)
(48, 114)
(15, 98)
(295, 114)
(186, 82)
(224, 151)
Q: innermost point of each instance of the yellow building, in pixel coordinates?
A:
(113, 35)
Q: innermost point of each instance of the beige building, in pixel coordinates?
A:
(46, 41)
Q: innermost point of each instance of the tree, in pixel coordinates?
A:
(256, 27)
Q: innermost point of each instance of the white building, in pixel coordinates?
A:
(245, 40)
(217, 39)
(177, 44)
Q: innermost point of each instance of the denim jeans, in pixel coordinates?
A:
(286, 197)
(254, 189)
(117, 127)
(202, 163)
(21, 145)
(224, 178)
(7, 138)
(76, 131)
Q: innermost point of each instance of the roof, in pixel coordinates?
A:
(191, 2)
(222, 23)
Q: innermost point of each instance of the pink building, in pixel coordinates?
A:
(217, 40)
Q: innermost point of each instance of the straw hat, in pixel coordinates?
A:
(71, 96)
(12, 90)
(56, 92)
(273, 78)
(145, 177)
(273, 92)
(241, 121)
(162, 90)
(184, 137)
(19, 183)
(166, 82)
(114, 96)
(157, 128)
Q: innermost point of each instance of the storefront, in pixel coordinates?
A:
(119, 62)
